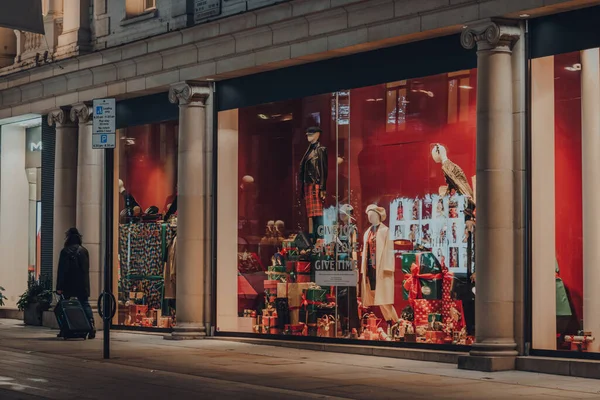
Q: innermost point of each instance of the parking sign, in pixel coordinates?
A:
(103, 126)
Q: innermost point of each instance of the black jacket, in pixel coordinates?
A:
(313, 167)
(73, 276)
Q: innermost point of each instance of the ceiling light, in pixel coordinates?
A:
(210, 79)
(524, 16)
(467, 87)
(262, 116)
(574, 67)
(370, 99)
(379, 99)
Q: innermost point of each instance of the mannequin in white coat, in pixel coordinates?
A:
(377, 267)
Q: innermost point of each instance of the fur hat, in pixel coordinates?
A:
(378, 210)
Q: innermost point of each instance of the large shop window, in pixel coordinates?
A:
(565, 202)
(147, 187)
(352, 214)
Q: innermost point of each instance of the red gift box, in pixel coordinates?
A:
(436, 337)
(451, 309)
(271, 285)
(296, 330)
(370, 322)
(303, 267)
(423, 308)
(303, 278)
(290, 266)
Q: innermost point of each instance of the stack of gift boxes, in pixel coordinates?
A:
(309, 309)
(436, 317)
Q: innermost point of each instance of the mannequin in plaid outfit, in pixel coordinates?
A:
(313, 181)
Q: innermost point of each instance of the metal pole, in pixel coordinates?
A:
(108, 243)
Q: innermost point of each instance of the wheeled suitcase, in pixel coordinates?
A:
(71, 319)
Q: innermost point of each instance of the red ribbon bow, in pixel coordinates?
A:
(412, 282)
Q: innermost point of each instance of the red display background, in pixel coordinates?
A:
(568, 177)
(148, 167)
(383, 165)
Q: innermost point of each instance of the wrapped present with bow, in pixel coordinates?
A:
(277, 273)
(296, 330)
(422, 276)
(293, 292)
(370, 322)
(326, 326)
(453, 315)
(423, 308)
(313, 298)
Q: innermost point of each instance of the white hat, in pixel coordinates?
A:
(378, 210)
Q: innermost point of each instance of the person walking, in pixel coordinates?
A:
(73, 277)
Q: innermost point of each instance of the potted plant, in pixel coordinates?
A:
(35, 301)
(2, 297)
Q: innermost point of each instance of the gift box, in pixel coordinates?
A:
(165, 322)
(303, 278)
(326, 326)
(303, 267)
(293, 292)
(278, 273)
(453, 315)
(138, 311)
(269, 325)
(271, 285)
(296, 330)
(436, 337)
(422, 276)
(370, 322)
(423, 308)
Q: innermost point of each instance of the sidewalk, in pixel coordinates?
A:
(230, 369)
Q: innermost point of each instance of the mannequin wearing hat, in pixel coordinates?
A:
(347, 239)
(377, 267)
(313, 181)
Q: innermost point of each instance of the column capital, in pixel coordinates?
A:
(189, 92)
(81, 113)
(59, 116)
(491, 35)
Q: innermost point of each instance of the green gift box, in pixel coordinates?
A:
(429, 275)
(314, 296)
(434, 317)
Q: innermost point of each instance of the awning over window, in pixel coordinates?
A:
(24, 15)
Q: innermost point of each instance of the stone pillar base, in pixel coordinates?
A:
(187, 332)
(487, 363)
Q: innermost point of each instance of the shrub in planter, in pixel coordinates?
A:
(35, 301)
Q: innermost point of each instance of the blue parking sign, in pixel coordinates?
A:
(104, 139)
(99, 110)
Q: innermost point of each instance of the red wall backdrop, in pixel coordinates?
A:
(568, 177)
(148, 163)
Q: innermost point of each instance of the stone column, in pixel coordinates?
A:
(89, 194)
(590, 142)
(495, 347)
(192, 203)
(65, 180)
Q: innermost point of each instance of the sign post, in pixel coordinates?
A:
(104, 137)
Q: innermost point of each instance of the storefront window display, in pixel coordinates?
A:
(147, 187)
(565, 220)
(354, 213)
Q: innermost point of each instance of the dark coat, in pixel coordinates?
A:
(73, 277)
(313, 167)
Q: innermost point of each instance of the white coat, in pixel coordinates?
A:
(384, 265)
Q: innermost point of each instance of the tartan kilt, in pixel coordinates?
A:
(312, 199)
